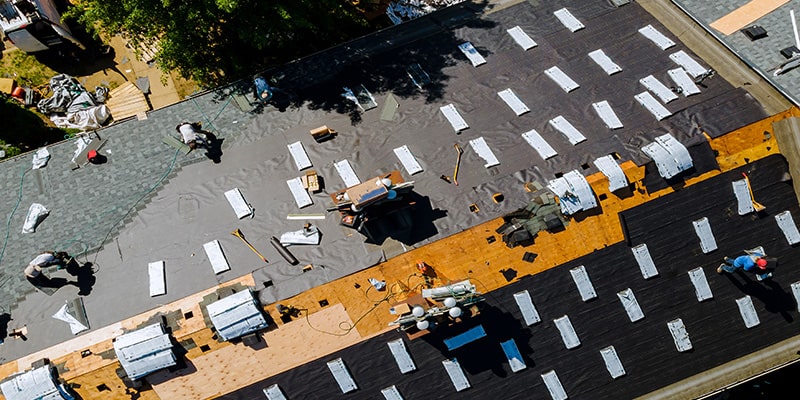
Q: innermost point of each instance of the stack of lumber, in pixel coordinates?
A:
(126, 101)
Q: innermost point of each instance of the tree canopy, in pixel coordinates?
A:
(217, 41)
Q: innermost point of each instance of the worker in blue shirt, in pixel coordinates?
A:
(753, 262)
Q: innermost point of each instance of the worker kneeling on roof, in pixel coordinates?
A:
(44, 260)
(192, 135)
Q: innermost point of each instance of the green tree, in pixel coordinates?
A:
(216, 41)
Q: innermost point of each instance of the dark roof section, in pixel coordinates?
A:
(645, 348)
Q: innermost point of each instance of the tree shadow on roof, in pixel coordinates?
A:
(378, 61)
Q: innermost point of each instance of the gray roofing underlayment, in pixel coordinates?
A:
(182, 204)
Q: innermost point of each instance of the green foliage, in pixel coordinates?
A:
(214, 41)
(25, 69)
(22, 129)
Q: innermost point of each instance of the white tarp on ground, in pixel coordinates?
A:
(85, 120)
(72, 106)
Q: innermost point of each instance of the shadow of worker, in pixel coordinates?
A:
(5, 318)
(214, 147)
(85, 276)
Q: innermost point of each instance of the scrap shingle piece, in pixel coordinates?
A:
(237, 202)
(796, 292)
(216, 257)
(662, 91)
(646, 265)
(682, 79)
(529, 313)
(456, 374)
(584, 284)
(407, 159)
(743, 199)
(688, 63)
(158, 284)
(454, 117)
(513, 101)
(401, 356)
(701, 288)
(554, 386)
(788, 227)
(299, 155)
(539, 144)
(301, 196)
(613, 363)
(630, 305)
(563, 80)
(605, 62)
(391, 393)
(345, 171)
(568, 20)
(651, 104)
(565, 127)
(568, 334)
(273, 393)
(342, 375)
(472, 54)
(703, 230)
(521, 38)
(607, 114)
(679, 335)
(609, 167)
(483, 150)
(748, 312)
(656, 37)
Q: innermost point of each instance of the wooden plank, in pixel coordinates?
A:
(746, 14)
(126, 101)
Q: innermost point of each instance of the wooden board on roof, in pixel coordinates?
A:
(126, 101)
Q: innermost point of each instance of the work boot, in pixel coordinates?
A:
(719, 269)
(727, 260)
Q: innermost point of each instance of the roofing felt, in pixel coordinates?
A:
(183, 205)
(763, 54)
(645, 348)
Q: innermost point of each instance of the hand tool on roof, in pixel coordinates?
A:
(759, 207)
(238, 233)
(283, 251)
(460, 151)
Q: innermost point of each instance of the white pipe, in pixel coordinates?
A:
(794, 27)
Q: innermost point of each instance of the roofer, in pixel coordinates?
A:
(192, 135)
(44, 260)
(751, 262)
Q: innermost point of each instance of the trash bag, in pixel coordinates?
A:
(100, 94)
(68, 96)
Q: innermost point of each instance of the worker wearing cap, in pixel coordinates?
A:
(749, 262)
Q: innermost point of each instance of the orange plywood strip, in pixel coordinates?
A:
(234, 367)
(745, 15)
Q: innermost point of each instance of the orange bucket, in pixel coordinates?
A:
(18, 92)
